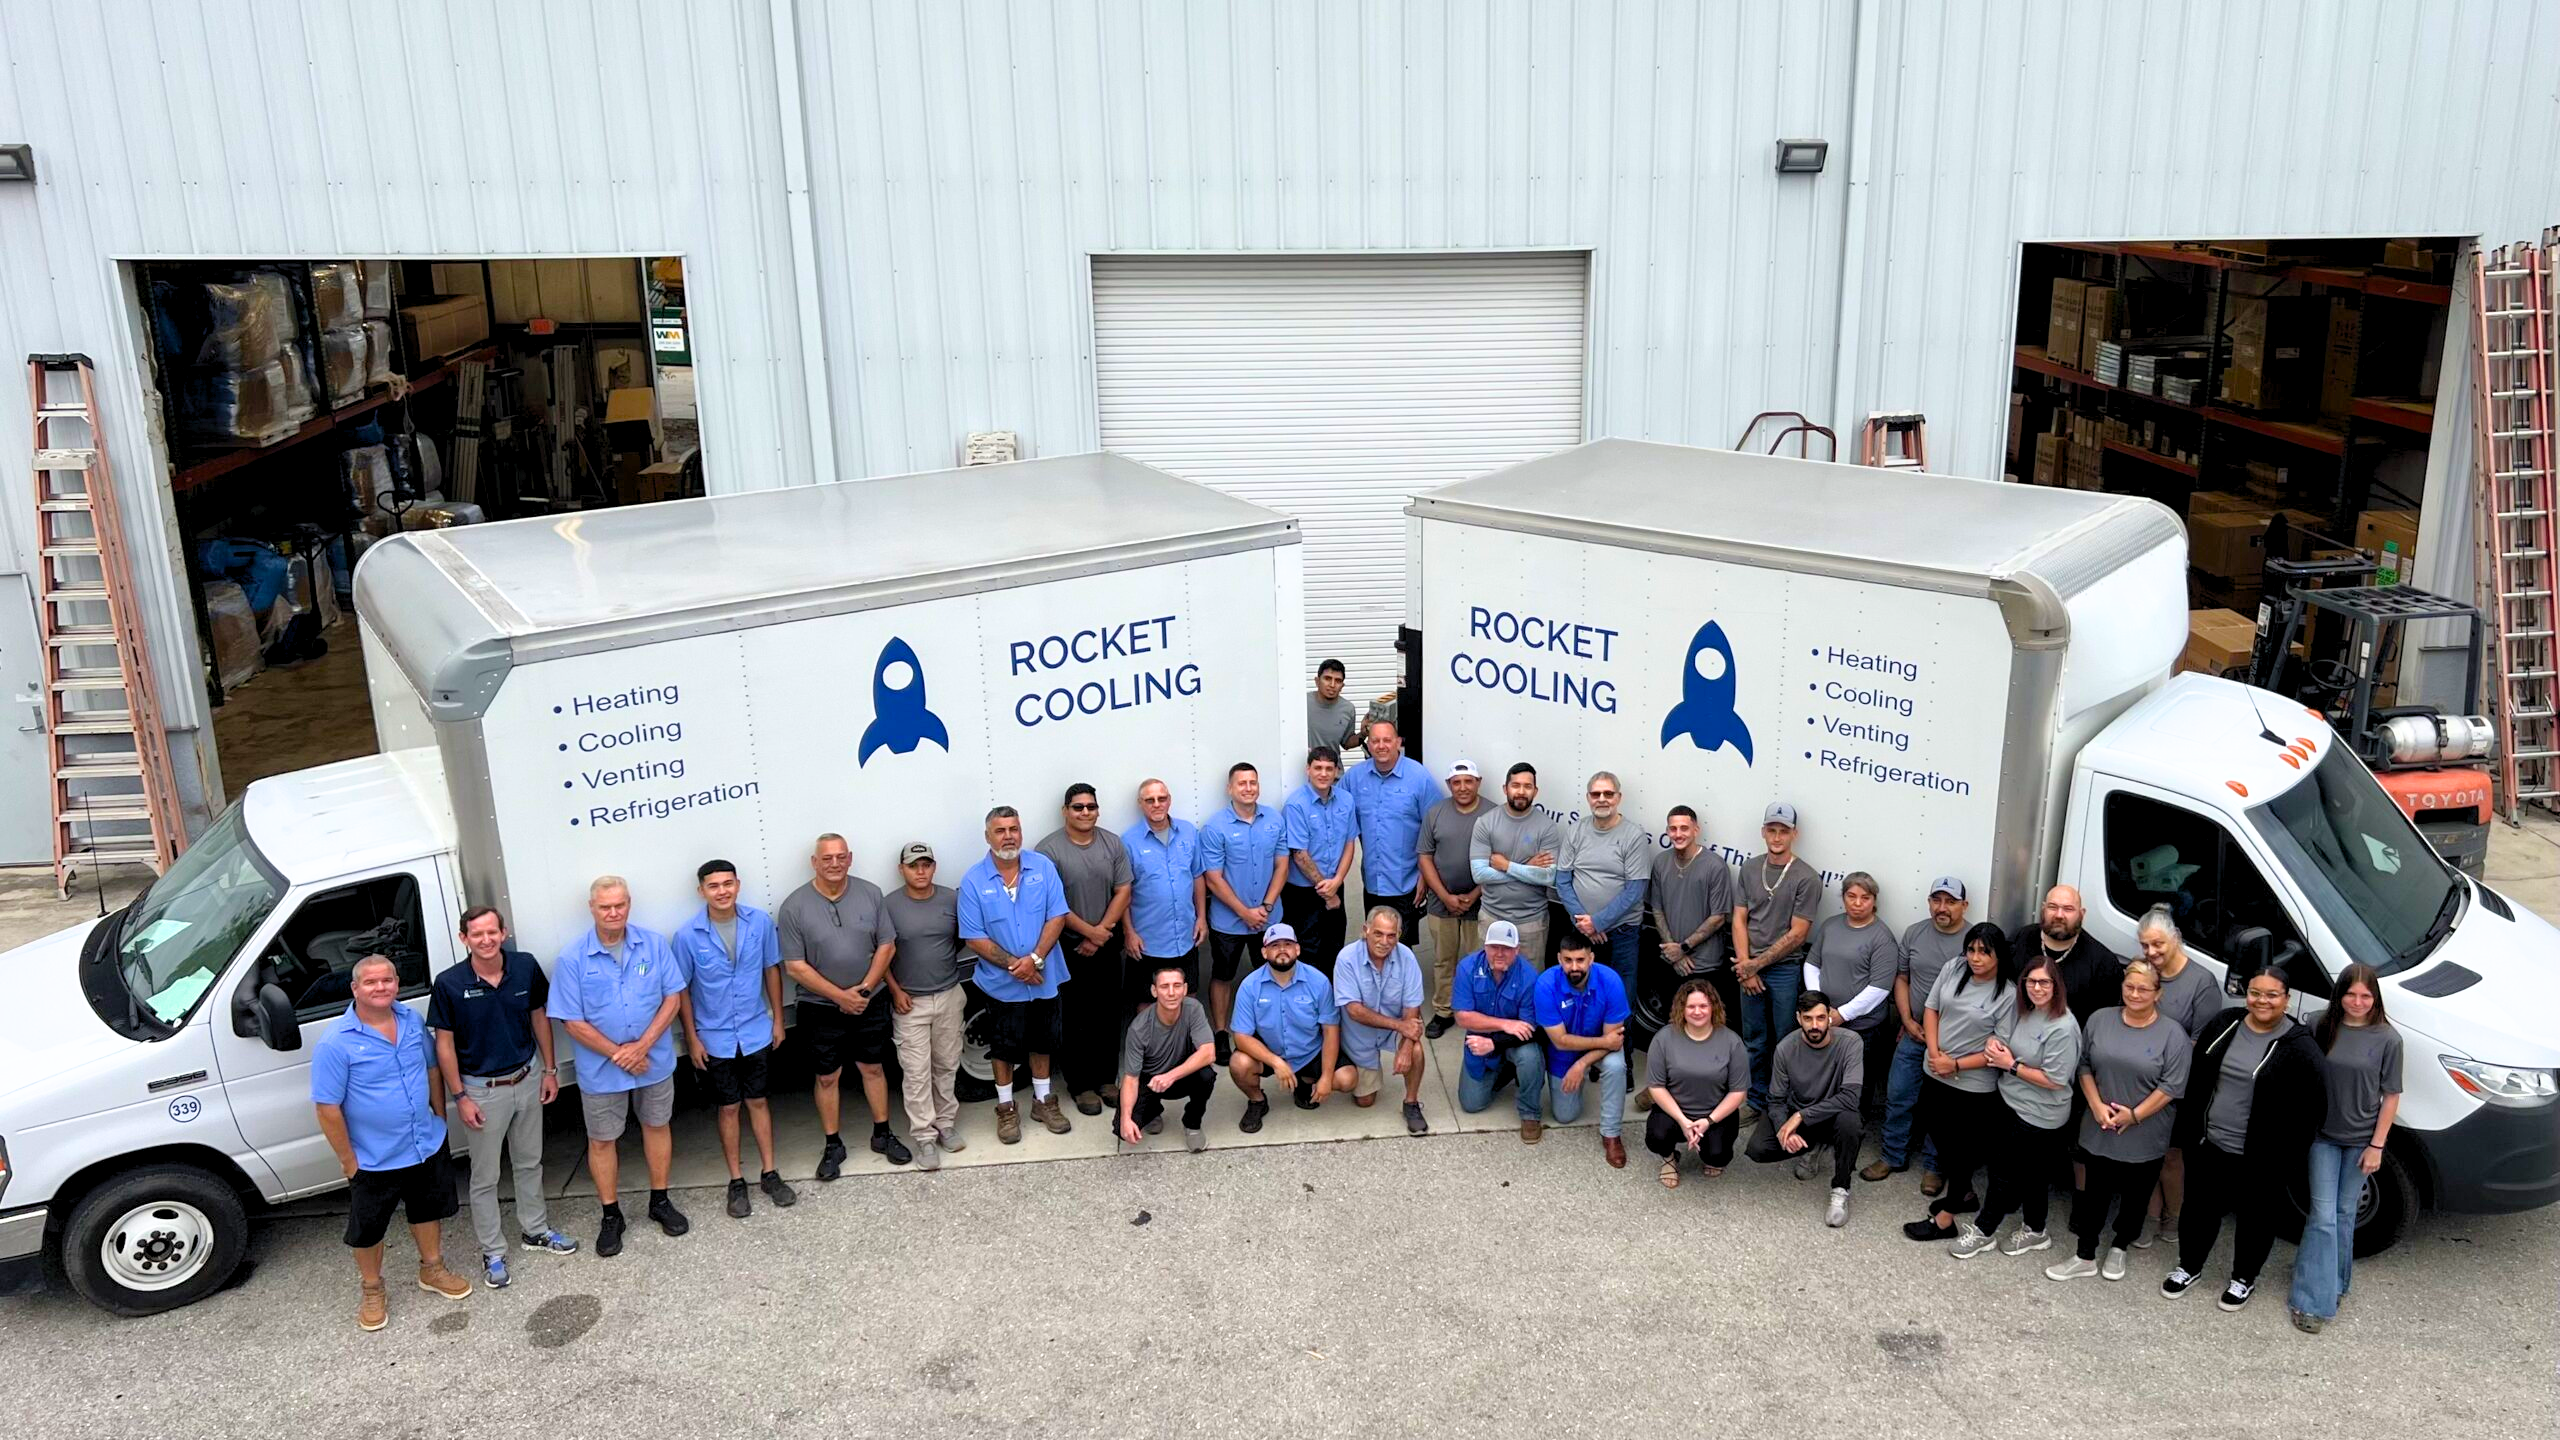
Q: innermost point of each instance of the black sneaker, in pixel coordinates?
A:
(1304, 1097)
(1440, 1025)
(2237, 1293)
(1414, 1124)
(1926, 1230)
(609, 1236)
(890, 1148)
(1088, 1102)
(740, 1207)
(1254, 1110)
(831, 1161)
(2178, 1283)
(783, 1196)
(669, 1218)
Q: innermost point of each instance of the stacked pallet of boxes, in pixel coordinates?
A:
(337, 302)
(246, 381)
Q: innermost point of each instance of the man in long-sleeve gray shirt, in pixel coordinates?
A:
(1601, 876)
(1513, 855)
(1814, 1083)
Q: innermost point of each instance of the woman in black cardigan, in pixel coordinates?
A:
(2257, 1093)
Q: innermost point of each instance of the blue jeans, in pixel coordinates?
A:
(2326, 1263)
(1618, 951)
(1610, 1074)
(1528, 1061)
(1901, 1096)
(1766, 1019)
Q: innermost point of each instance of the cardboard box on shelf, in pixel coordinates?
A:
(2062, 321)
(2217, 641)
(2275, 345)
(2338, 361)
(2375, 526)
(2084, 469)
(2206, 502)
(440, 326)
(2050, 459)
(2228, 543)
(2017, 422)
(2238, 594)
(2098, 308)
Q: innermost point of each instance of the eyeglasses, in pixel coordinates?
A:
(1084, 807)
(1604, 794)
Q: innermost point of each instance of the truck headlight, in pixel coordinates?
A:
(2507, 1085)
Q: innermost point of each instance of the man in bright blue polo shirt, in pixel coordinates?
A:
(1323, 825)
(373, 1088)
(1393, 793)
(618, 989)
(1013, 907)
(1245, 850)
(733, 1018)
(1286, 1027)
(1169, 897)
(1378, 984)
(1494, 1000)
(1583, 1010)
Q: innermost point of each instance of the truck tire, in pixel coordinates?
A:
(1649, 1008)
(154, 1239)
(2383, 1213)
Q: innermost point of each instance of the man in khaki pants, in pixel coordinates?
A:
(1451, 897)
(926, 1002)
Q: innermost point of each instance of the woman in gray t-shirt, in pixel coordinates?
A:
(2364, 1053)
(2036, 1051)
(2133, 1068)
(1960, 1101)
(1698, 1073)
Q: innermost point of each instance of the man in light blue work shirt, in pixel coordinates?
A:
(618, 989)
(1287, 1027)
(1583, 1010)
(733, 1018)
(1169, 896)
(1013, 907)
(1393, 793)
(374, 1091)
(1378, 984)
(1245, 850)
(1494, 998)
(1323, 825)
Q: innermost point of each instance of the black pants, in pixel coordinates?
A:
(1966, 1126)
(1843, 1133)
(1879, 1041)
(2022, 1166)
(1320, 931)
(2129, 1184)
(2219, 1183)
(1090, 1017)
(1662, 1137)
(1192, 1090)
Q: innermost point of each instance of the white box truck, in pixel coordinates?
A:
(1951, 676)
(630, 692)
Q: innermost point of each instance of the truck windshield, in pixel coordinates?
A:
(2367, 870)
(178, 937)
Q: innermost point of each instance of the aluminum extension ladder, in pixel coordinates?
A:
(2512, 335)
(114, 793)
(1894, 440)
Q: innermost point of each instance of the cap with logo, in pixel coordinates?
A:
(1781, 813)
(1502, 932)
(1278, 933)
(1947, 885)
(1463, 767)
(916, 850)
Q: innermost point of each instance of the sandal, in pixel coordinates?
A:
(1671, 1174)
(1712, 1171)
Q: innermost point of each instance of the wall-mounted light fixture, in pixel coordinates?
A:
(1802, 157)
(18, 162)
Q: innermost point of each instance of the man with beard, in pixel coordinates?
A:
(1013, 907)
(2089, 971)
(1512, 856)
(1926, 948)
(1601, 874)
(1814, 1082)
(1286, 1027)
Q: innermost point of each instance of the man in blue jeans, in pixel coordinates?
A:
(1583, 1010)
(1926, 948)
(1775, 895)
(1601, 874)
(1493, 1000)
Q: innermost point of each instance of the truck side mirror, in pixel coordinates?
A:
(262, 1009)
(2245, 952)
(2302, 970)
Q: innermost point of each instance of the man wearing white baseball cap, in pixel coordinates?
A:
(1451, 897)
(1497, 1006)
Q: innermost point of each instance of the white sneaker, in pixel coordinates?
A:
(1837, 1214)
(1970, 1241)
(2114, 1268)
(1194, 1141)
(952, 1142)
(928, 1155)
(2070, 1267)
(2025, 1241)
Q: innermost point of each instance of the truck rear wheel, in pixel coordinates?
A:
(154, 1240)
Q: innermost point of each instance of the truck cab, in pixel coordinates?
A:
(2271, 843)
(154, 1064)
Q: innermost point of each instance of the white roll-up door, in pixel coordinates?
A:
(1335, 387)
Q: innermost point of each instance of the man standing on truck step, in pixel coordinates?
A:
(617, 989)
(1394, 793)
(373, 1086)
(733, 1019)
(836, 939)
(1774, 900)
(927, 1002)
(1378, 985)
(1927, 946)
(1287, 1027)
(1601, 873)
(1013, 907)
(1583, 1010)
(1093, 866)
(2091, 973)
(1692, 895)
(1512, 855)
(1452, 900)
(1167, 1054)
(1333, 720)
(493, 1029)
(1244, 850)
(1323, 826)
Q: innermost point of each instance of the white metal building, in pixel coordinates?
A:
(1325, 253)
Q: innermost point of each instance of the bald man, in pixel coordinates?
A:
(2088, 969)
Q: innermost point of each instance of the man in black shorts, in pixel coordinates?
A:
(1244, 856)
(373, 1087)
(836, 939)
(733, 1018)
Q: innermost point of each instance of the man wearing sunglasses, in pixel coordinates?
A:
(1093, 865)
(836, 940)
(1602, 870)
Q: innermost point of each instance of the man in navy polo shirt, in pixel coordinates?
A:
(1245, 850)
(1323, 825)
(491, 1023)
(373, 1087)
(1013, 907)
(617, 989)
(1496, 1006)
(1583, 1009)
(1393, 794)
(733, 1018)
(1287, 1027)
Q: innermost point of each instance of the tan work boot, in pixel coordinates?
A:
(1048, 1113)
(373, 1309)
(1530, 1131)
(432, 1275)
(1009, 1123)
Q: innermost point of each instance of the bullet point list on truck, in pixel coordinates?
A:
(1879, 690)
(628, 741)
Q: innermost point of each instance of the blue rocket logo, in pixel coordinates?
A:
(1705, 712)
(900, 719)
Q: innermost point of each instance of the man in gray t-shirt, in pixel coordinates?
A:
(836, 942)
(1093, 868)
(1927, 947)
(1169, 1050)
(1601, 874)
(1332, 717)
(926, 965)
(1452, 901)
(1512, 855)
(1775, 895)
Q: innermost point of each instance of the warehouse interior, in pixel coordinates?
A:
(310, 408)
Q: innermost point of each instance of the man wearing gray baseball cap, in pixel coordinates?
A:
(1774, 899)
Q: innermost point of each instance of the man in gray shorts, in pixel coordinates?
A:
(617, 989)
(836, 942)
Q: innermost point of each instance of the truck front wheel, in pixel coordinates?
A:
(2383, 1213)
(154, 1240)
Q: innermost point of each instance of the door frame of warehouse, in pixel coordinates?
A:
(133, 340)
